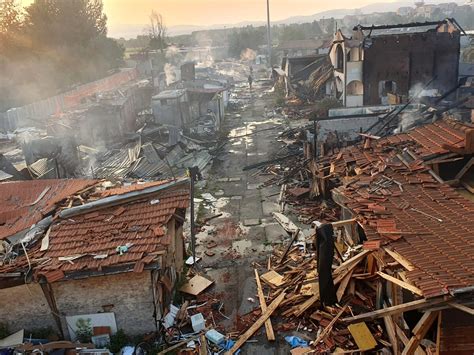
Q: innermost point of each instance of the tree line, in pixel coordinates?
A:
(50, 46)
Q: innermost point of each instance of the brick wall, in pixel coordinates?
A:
(24, 307)
(130, 294)
(410, 59)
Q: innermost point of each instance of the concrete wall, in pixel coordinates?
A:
(347, 128)
(354, 100)
(31, 309)
(354, 71)
(130, 294)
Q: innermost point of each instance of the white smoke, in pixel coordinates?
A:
(248, 55)
(170, 72)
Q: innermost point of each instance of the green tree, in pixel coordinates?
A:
(10, 25)
(291, 33)
(247, 37)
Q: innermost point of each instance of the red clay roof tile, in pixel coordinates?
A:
(429, 223)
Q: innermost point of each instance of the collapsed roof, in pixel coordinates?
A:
(399, 201)
(122, 228)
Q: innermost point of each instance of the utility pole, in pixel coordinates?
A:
(269, 36)
(195, 175)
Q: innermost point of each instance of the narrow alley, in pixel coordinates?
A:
(245, 231)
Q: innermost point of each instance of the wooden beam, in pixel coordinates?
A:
(462, 307)
(246, 336)
(328, 328)
(438, 333)
(49, 295)
(402, 336)
(343, 223)
(390, 327)
(263, 306)
(180, 344)
(400, 259)
(464, 169)
(348, 263)
(203, 348)
(342, 287)
(288, 248)
(420, 331)
(404, 307)
(401, 283)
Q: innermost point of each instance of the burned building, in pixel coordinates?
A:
(103, 116)
(112, 259)
(196, 106)
(387, 64)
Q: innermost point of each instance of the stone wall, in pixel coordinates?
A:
(25, 307)
(127, 295)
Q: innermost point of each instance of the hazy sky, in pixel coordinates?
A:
(209, 12)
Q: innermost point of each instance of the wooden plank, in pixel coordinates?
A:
(462, 307)
(355, 259)
(420, 331)
(404, 307)
(308, 303)
(438, 333)
(343, 223)
(342, 287)
(196, 285)
(401, 283)
(272, 278)
(263, 306)
(246, 336)
(328, 328)
(362, 336)
(464, 169)
(400, 259)
(178, 345)
(203, 348)
(390, 327)
(288, 248)
(404, 339)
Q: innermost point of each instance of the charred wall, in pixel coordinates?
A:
(408, 60)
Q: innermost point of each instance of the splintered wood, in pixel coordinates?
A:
(290, 284)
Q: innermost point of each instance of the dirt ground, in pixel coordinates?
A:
(246, 232)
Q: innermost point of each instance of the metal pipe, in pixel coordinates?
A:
(115, 200)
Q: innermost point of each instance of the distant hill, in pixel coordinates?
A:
(132, 30)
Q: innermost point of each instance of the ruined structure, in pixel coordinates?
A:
(116, 254)
(385, 64)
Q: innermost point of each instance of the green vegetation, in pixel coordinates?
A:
(118, 341)
(84, 330)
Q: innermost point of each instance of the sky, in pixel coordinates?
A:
(128, 17)
(210, 12)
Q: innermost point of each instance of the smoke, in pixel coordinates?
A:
(171, 53)
(418, 90)
(248, 55)
(170, 72)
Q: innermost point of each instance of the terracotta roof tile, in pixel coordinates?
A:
(428, 223)
(17, 208)
(96, 235)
